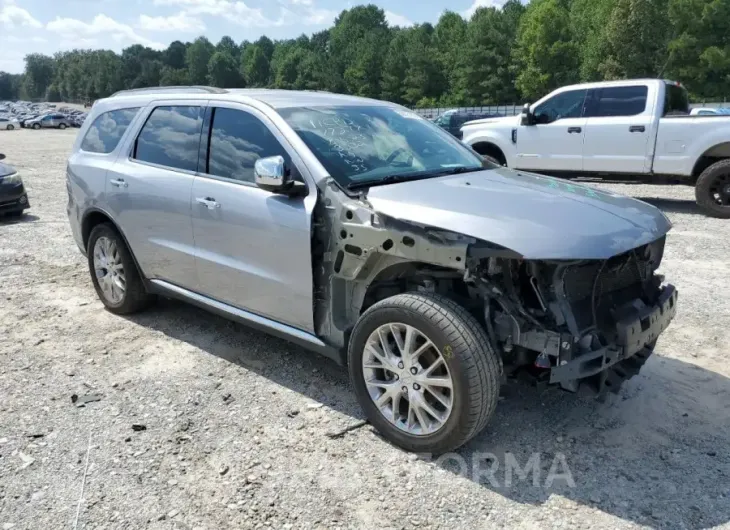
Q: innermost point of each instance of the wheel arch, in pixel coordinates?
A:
(96, 216)
(717, 152)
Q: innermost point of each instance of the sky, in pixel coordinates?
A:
(48, 26)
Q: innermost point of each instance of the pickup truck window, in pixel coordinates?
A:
(363, 143)
(617, 101)
(676, 101)
(564, 105)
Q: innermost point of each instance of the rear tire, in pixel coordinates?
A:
(62, 126)
(10, 127)
(712, 190)
(134, 296)
(474, 370)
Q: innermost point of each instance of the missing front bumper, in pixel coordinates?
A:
(608, 367)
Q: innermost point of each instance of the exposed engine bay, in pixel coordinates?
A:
(568, 322)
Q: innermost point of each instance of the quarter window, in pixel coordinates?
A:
(104, 134)
(171, 137)
(618, 101)
(237, 140)
(564, 105)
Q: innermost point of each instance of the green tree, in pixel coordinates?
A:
(255, 67)
(449, 38)
(227, 44)
(9, 86)
(699, 52)
(223, 71)
(174, 55)
(636, 39)
(357, 47)
(588, 22)
(394, 68)
(485, 73)
(197, 58)
(546, 56)
(174, 76)
(39, 70)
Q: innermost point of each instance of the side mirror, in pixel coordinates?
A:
(270, 174)
(2, 156)
(527, 118)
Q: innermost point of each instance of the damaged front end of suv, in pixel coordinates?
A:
(572, 300)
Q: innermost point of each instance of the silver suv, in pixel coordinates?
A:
(359, 230)
(52, 121)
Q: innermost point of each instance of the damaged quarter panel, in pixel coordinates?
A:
(537, 217)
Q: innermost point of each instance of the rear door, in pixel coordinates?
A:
(253, 247)
(620, 122)
(149, 190)
(555, 142)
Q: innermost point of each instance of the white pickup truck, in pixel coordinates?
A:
(619, 129)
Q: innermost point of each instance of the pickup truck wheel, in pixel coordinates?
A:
(713, 190)
(114, 273)
(424, 372)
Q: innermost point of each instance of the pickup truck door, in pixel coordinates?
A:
(620, 124)
(252, 246)
(555, 141)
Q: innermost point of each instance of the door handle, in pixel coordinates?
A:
(572, 130)
(119, 183)
(208, 202)
(637, 128)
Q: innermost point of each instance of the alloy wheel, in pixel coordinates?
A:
(408, 379)
(109, 270)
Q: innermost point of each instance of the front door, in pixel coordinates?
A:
(149, 191)
(555, 141)
(619, 126)
(253, 247)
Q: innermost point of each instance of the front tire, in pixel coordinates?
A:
(36, 126)
(712, 190)
(10, 127)
(62, 126)
(114, 273)
(424, 372)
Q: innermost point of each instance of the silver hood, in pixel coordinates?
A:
(535, 216)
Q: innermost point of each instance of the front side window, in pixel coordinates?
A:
(561, 106)
(372, 144)
(237, 140)
(618, 101)
(171, 137)
(104, 134)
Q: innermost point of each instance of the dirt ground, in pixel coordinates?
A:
(204, 424)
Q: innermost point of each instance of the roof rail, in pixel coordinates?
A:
(193, 89)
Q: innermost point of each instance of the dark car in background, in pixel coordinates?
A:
(13, 197)
(452, 121)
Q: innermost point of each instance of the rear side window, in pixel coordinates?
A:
(171, 137)
(676, 101)
(237, 140)
(618, 101)
(104, 134)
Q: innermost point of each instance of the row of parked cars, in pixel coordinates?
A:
(25, 114)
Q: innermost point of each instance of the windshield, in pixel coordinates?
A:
(368, 143)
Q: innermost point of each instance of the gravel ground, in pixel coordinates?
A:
(234, 427)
